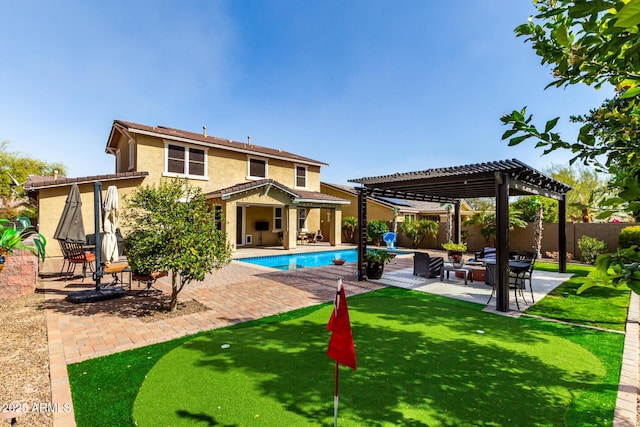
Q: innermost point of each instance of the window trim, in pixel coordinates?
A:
(187, 150)
(276, 218)
(132, 152)
(302, 218)
(266, 168)
(295, 176)
(118, 161)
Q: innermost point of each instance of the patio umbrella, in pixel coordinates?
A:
(109, 246)
(70, 226)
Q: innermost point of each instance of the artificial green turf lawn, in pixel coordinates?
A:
(600, 306)
(421, 362)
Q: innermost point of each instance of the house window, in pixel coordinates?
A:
(257, 168)
(182, 160)
(301, 176)
(435, 218)
(217, 212)
(410, 217)
(277, 219)
(132, 152)
(302, 219)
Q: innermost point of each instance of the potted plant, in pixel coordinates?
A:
(11, 240)
(455, 251)
(375, 262)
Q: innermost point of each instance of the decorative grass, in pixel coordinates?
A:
(600, 306)
(421, 361)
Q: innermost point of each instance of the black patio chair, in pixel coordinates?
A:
(427, 266)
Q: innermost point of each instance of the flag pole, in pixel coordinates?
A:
(335, 400)
(335, 391)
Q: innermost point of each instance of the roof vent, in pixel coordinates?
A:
(249, 140)
(204, 131)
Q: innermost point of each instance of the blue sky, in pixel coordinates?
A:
(370, 87)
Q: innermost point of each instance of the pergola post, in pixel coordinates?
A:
(562, 234)
(362, 231)
(502, 242)
(457, 235)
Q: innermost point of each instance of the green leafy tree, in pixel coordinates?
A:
(595, 43)
(418, 230)
(20, 166)
(485, 220)
(588, 189)
(528, 207)
(349, 227)
(375, 229)
(174, 229)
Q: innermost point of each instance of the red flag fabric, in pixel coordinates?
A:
(341, 347)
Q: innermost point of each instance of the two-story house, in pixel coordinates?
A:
(266, 196)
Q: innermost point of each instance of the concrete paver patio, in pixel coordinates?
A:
(237, 293)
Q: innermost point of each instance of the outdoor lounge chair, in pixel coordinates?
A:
(427, 266)
(75, 254)
(486, 252)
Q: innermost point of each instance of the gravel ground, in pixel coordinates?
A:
(24, 358)
(24, 353)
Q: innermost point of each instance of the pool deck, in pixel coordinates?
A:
(240, 292)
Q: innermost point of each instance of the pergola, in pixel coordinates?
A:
(499, 179)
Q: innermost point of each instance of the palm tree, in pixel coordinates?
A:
(486, 221)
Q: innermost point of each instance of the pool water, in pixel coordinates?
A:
(309, 259)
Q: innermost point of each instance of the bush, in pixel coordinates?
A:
(629, 236)
(417, 231)
(375, 229)
(591, 248)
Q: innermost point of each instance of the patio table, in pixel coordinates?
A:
(448, 267)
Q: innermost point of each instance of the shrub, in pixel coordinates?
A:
(591, 248)
(417, 231)
(349, 227)
(375, 229)
(629, 236)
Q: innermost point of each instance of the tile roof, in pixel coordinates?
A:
(296, 195)
(402, 204)
(37, 182)
(211, 141)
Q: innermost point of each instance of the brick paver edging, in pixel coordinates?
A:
(626, 412)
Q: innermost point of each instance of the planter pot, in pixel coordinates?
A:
(456, 258)
(338, 261)
(375, 270)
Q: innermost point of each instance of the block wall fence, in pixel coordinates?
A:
(521, 239)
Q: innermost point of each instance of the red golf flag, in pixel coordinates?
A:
(341, 347)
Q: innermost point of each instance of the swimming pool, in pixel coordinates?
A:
(309, 259)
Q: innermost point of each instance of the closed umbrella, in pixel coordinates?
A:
(70, 226)
(109, 248)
